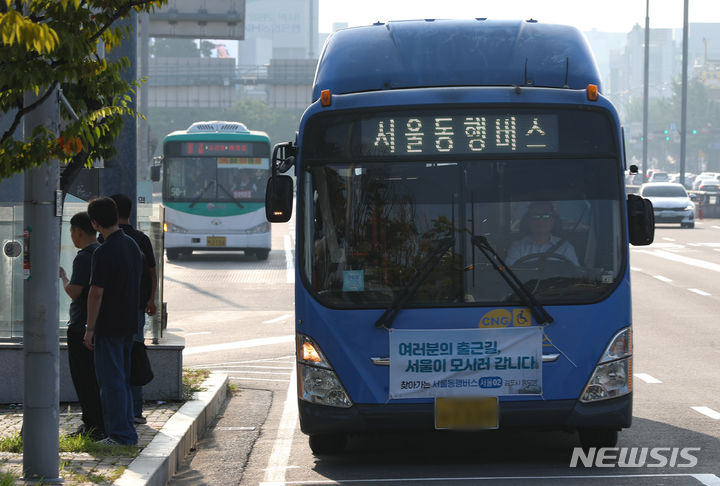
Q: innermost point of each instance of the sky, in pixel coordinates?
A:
(603, 15)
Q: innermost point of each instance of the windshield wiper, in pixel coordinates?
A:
(409, 290)
(199, 196)
(230, 195)
(527, 298)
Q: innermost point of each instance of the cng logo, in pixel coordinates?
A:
(499, 318)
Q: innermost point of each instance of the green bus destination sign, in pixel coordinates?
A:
(215, 148)
(453, 134)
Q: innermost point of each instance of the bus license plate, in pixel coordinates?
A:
(216, 241)
(466, 413)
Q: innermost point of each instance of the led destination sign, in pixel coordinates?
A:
(215, 148)
(466, 133)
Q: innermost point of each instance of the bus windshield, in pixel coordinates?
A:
(195, 173)
(209, 179)
(370, 224)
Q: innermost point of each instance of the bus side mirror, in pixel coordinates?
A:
(155, 173)
(283, 157)
(279, 199)
(641, 220)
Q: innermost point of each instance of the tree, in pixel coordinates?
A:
(174, 47)
(664, 114)
(45, 44)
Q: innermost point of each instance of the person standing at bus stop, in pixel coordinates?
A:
(112, 319)
(124, 206)
(80, 359)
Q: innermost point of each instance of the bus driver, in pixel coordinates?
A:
(538, 225)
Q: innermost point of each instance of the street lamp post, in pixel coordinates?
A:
(683, 112)
(646, 75)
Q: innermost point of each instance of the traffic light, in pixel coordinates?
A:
(667, 135)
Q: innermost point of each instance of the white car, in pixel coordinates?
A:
(671, 203)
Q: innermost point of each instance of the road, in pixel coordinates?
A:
(237, 315)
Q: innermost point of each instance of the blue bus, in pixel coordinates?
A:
(462, 234)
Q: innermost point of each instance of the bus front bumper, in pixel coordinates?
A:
(220, 242)
(615, 414)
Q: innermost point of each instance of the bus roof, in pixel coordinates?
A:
(213, 129)
(480, 52)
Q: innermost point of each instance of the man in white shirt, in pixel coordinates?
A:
(540, 221)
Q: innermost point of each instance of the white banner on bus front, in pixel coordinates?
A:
(465, 362)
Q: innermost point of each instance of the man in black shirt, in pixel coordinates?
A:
(80, 359)
(112, 319)
(124, 206)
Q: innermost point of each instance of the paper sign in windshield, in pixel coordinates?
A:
(465, 362)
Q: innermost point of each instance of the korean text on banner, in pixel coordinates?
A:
(465, 362)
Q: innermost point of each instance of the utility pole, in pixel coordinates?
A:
(41, 344)
(646, 76)
(683, 110)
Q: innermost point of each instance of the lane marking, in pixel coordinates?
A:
(251, 343)
(290, 360)
(636, 269)
(670, 246)
(246, 378)
(668, 239)
(269, 373)
(242, 366)
(708, 412)
(289, 264)
(699, 292)
(647, 378)
(706, 479)
(662, 279)
(277, 319)
(280, 455)
(197, 333)
(683, 259)
(715, 227)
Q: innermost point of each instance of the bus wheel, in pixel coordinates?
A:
(262, 254)
(172, 253)
(328, 443)
(598, 438)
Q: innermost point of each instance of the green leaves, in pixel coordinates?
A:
(44, 43)
(16, 29)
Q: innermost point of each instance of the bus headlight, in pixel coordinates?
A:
(613, 374)
(318, 382)
(173, 228)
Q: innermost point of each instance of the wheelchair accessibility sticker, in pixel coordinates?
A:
(506, 318)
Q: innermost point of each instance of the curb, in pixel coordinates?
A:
(157, 463)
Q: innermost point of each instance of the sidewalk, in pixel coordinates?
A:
(172, 429)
